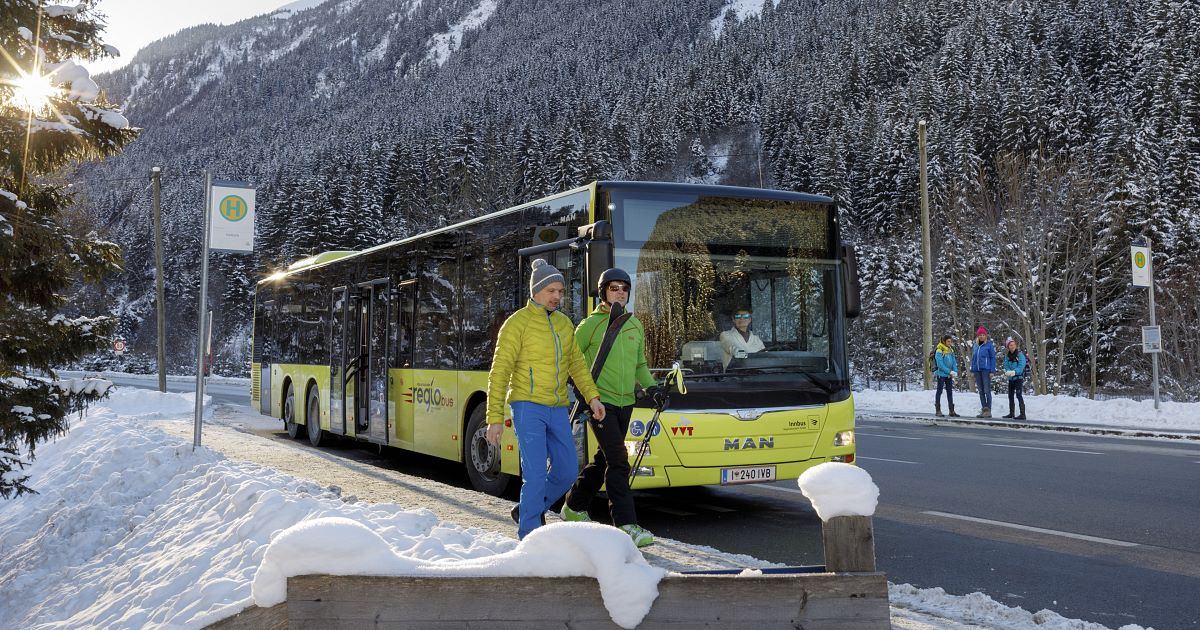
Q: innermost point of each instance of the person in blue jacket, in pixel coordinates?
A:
(1014, 369)
(983, 363)
(947, 371)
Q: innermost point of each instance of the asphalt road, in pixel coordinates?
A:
(220, 392)
(1098, 528)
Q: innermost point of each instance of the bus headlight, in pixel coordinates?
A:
(633, 448)
(843, 438)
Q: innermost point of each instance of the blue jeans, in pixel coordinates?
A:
(543, 432)
(983, 382)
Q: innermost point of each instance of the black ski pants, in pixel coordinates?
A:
(610, 467)
(946, 383)
(1015, 387)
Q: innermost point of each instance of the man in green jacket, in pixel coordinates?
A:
(624, 368)
(535, 354)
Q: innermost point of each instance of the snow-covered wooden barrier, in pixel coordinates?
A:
(578, 576)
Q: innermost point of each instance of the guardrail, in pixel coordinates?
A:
(845, 593)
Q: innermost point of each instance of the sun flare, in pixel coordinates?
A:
(32, 92)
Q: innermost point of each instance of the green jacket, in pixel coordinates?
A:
(626, 362)
(535, 353)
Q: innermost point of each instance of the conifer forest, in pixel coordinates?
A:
(1059, 132)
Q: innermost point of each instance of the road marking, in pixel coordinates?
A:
(1038, 448)
(671, 511)
(894, 437)
(1040, 530)
(880, 459)
(713, 508)
(782, 489)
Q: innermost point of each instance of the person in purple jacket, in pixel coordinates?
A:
(983, 363)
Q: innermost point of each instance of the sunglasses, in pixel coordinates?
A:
(742, 316)
(618, 287)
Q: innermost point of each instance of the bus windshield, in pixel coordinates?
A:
(739, 290)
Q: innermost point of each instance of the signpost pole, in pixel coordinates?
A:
(1143, 276)
(1153, 355)
(203, 310)
(156, 180)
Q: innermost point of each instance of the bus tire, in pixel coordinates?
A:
(481, 459)
(312, 417)
(289, 414)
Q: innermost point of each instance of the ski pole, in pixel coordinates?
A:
(661, 401)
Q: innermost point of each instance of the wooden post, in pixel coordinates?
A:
(849, 543)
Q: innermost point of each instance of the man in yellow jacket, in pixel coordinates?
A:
(535, 354)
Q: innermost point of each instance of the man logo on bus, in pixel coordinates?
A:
(430, 397)
(735, 444)
(233, 208)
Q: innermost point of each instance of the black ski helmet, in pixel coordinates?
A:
(612, 275)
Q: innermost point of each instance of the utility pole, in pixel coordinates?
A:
(927, 263)
(156, 181)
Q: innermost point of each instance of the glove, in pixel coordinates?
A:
(954, 375)
(648, 392)
(1009, 373)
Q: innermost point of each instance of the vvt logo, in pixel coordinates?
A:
(741, 444)
(683, 428)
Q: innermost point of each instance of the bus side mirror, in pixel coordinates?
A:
(850, 277)
(599, 252)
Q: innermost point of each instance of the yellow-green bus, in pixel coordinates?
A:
(392, 344)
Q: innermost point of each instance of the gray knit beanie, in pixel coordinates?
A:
(543, 274)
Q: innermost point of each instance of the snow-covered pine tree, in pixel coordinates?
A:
(50, 115)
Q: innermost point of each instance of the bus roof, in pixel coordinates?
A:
(718, 191)
(307, 264)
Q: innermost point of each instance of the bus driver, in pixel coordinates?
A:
(739, 340)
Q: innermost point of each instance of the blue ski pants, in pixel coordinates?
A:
(543, 432)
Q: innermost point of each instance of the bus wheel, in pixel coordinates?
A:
(289, 414)
(312, 418)
(482, 459)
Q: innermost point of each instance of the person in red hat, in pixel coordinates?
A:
(983, 363)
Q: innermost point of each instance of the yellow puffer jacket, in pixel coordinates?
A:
(535, 353)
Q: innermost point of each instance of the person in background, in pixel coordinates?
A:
(983, 363)
(1014, 369)
(623, 370)
(535, 353)
(739, 340)
(947, 370)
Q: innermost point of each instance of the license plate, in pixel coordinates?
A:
(757, 474)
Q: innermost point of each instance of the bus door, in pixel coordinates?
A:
(366, 372)
(400, 404)
(339, 356)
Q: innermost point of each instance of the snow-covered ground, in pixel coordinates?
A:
(133, 529)
(1118, 413)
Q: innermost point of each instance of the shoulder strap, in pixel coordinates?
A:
(614, 327)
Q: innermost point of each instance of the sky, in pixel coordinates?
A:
(132, 24)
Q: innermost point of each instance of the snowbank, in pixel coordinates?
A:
(339, 546)
(982, 610)
(837, 489)
(1117, 412)
(133, 529)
